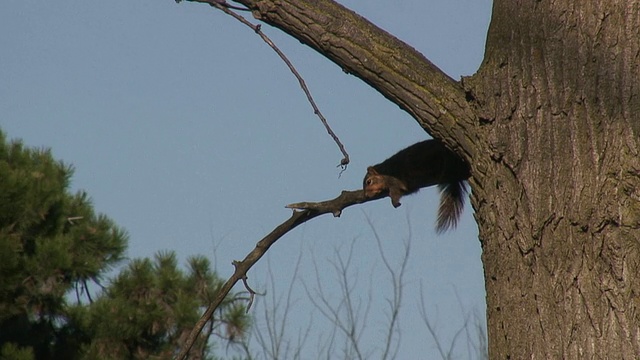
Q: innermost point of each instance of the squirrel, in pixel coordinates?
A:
(420, 165)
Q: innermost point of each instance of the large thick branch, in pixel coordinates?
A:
(395, 69)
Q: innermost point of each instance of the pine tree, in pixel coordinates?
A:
(150, 307)
(54, 249)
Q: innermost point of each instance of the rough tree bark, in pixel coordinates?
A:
(549, 125)
(557, 200)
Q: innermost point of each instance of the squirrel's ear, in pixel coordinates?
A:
(372, 171)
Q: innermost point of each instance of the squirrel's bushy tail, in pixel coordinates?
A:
(451, 205)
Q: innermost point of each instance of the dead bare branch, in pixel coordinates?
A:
(227, 9)
(335, 206)
(303, 212)
(397, 284)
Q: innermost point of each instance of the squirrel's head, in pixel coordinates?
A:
(373, 183)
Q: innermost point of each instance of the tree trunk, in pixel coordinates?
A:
(549, 126)
(558, 204)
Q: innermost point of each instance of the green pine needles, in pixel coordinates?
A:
(55, 253)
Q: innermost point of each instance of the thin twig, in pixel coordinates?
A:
(397, 283)
(430, 327)
(226, 8)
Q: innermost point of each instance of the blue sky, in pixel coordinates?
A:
(190, 133)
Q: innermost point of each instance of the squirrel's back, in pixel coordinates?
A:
(420, 165)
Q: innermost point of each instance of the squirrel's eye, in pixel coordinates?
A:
(368, 181)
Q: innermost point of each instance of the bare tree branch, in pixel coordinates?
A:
(475, 350)
(223, 6)
(272, 338)
(430, 327)
(348, 315)
(310, 211)
(397, 284)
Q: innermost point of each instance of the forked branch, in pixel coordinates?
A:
(303, 212)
